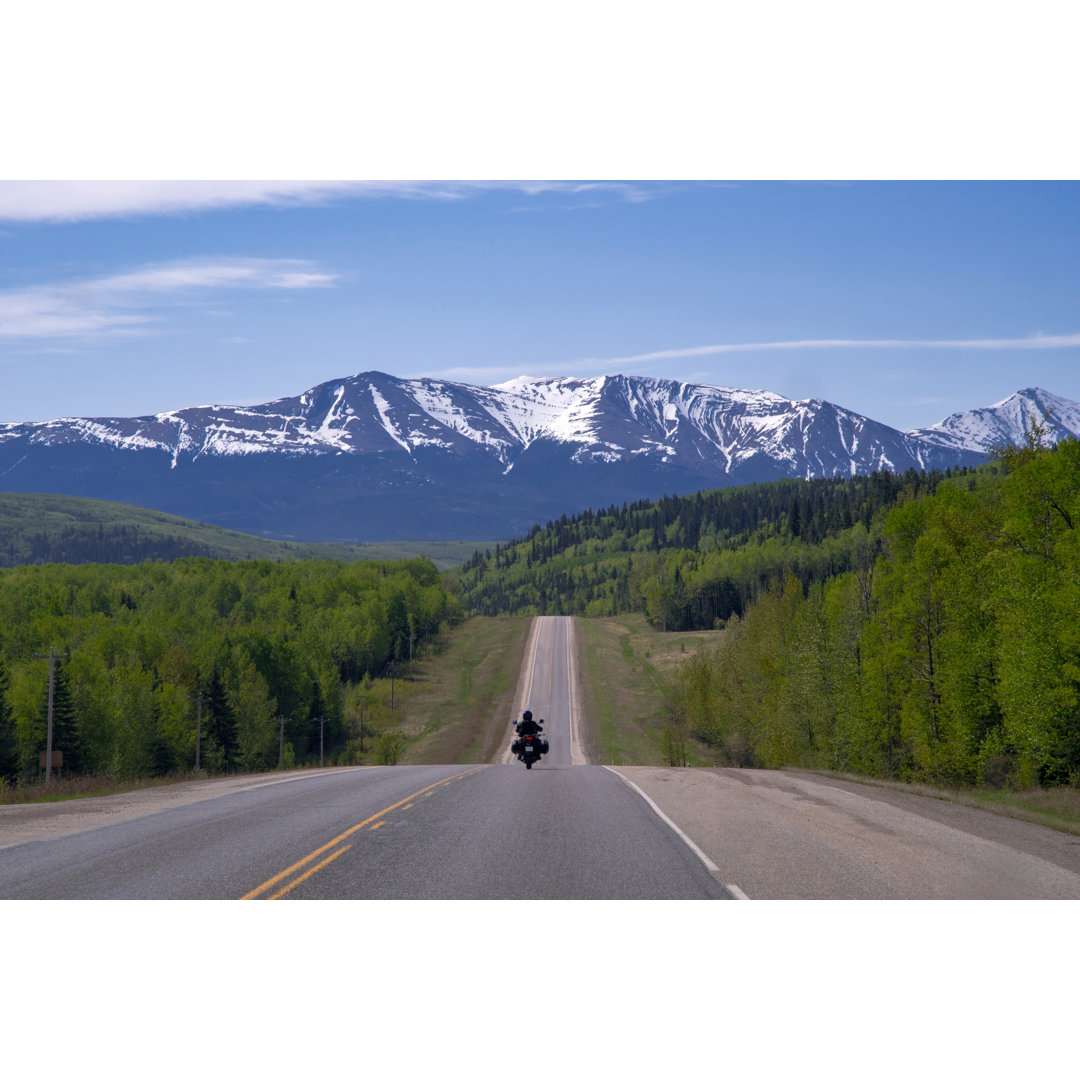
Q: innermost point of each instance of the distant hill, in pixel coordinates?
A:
(690, 562)
(36, 528)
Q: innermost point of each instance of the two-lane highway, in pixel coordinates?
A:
(562, 830)
(559, 831)
(548, 687)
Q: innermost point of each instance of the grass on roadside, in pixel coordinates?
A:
(624, 667)
(459, 703)
(61, 789)
(625, 664)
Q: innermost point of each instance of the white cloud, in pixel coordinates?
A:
(125, 303)
(82, 200)
(1038, 341)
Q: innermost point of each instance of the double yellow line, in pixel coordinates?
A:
(302, 874)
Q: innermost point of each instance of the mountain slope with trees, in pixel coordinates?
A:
(40, 528)
(690, 562)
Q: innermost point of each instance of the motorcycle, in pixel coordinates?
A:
(529, 748)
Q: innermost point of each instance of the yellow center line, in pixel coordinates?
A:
(259, 890)
(314, 870)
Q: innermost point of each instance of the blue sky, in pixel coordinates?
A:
(902, 300)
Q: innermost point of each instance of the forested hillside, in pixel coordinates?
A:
(141, 649)
(950, 656)
(40, 528)
(690, 563)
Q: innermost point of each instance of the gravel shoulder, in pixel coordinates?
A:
(790, 835)
(43, 821)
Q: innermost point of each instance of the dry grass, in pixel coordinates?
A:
(61, 789)
(624, 666)
(459, 703)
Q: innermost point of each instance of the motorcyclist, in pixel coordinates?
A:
(525, 726)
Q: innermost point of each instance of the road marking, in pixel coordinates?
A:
(526, 682)
(266, 885)
(314, 870)
(713, 869)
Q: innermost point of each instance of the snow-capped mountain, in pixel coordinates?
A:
(1006, 422)
(374, 457)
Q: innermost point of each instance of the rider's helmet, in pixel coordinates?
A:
(526, 715)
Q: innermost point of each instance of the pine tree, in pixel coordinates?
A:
(219, 720)
(67, 733)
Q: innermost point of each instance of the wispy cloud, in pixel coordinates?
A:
(129, 302)
(82, 200)
(1038, 341)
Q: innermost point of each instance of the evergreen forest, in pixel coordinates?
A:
(690, 563)
(249, 664)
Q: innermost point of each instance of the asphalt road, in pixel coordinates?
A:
(413, 832)
(559, 831)
(548, 688)
(562, 830)
(797, 836)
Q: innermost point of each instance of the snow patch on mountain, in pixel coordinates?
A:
(383, 407)
(703, 434)
(1007, 422)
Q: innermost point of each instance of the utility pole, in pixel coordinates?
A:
(322, 720)
(281, 742)
(198, 730)
(48, 736)
(49, 722)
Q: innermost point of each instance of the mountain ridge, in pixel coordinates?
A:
(374, 456)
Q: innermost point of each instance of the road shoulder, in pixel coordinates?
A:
(21, 823)
(792, 835)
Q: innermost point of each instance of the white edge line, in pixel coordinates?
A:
(526, 683)
(713, 869)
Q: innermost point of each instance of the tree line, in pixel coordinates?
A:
(692, 562)
(269, 659)
(112, 543)
(949, 653)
